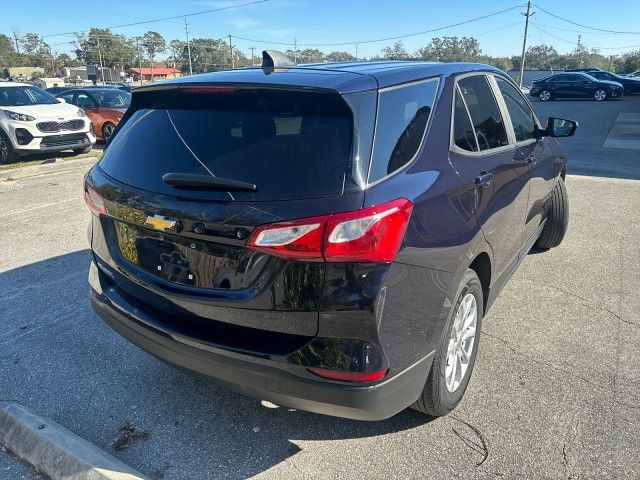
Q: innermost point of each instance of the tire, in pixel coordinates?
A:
(437, 399)
(544, 95)
(600, 95)
(557, 219)
(107, 131)
(78, 151)
(7, 153)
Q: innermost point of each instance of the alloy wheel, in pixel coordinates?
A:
(461, 342)
(545, 95)
(600, 95)
(107, 131)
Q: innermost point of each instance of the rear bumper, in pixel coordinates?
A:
(261, 378)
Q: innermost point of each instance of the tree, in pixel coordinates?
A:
(208, 54)
(540, 57)
(629, 62)
(35, 52)
(394, 52)
(582, 56)
(451, 49)
(178, 52)
(7, 52)
(308, 55)
(153, 43)
(340, 57)
(116, 50)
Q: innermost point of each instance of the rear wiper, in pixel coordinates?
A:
(207, 182)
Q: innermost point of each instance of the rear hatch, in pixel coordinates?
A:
(181, 249)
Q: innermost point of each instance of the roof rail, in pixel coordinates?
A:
(273, 59)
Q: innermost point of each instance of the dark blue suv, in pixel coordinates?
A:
(326, 237)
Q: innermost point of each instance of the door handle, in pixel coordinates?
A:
(484, 179)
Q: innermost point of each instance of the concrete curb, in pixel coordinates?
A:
(56, 451)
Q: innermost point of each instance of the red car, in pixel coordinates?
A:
(104, 107)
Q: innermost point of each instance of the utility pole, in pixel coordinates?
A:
(295, 50)
(186, 31)
(100, 56)
(139, 58)
(231, 52)
(252, 49)
(356, 52)
(524, 40)
(15, 38)
(578, 50)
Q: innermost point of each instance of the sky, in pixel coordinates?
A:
(310, 22)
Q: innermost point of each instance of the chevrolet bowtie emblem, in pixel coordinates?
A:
(159, 222)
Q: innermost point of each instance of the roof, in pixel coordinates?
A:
(342, 77)
(154, 70)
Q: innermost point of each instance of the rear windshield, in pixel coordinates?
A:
(291, 144)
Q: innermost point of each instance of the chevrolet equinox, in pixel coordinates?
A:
(325, 237)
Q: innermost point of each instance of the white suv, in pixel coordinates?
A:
(31, 121)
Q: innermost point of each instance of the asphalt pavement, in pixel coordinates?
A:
(555, 391)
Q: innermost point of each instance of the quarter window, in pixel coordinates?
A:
(522, 118)
(403, 114)
(463, 135)
(484, 111)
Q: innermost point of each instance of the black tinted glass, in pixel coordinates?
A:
(290, 144)
(484, 112)
(403, 114)
(463, 135)
(519, 111)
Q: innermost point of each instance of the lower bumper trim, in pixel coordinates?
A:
(268, 382)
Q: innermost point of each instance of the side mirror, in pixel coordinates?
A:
(558, 127)
(61, 100)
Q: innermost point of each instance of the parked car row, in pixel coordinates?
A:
(584, 83)
(32, 120)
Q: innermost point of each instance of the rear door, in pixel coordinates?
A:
(185, 246)
(484, 155)
(560, 86)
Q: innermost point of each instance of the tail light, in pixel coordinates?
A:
(349, 376)
(93, 200)
(373, 234)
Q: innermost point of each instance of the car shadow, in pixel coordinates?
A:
(59, 358)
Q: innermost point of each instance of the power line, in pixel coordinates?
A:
(580, 42)
(143, 22)
(385, 39)
(584, 26)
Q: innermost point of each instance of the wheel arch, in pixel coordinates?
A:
(481, 264)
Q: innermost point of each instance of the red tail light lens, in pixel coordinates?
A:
(349, 376)
(373, 234)
(93, 200)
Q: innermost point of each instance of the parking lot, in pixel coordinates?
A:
(555, 391)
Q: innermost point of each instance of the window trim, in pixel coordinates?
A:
(424, 134)
(501, 108)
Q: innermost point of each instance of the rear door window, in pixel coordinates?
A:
(484, 111)
(291, 144)
(403, 115)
